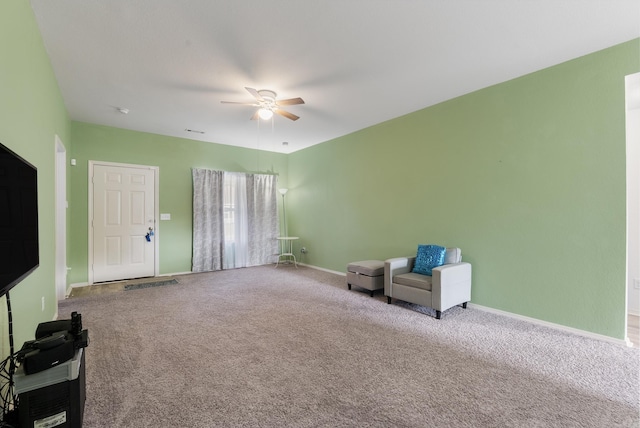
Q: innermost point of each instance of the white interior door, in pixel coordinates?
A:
(123, 223)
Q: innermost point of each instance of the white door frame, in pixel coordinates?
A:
(156, 209)
(61, 218)
(632, 114)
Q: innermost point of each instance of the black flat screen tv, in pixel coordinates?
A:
(19, 249)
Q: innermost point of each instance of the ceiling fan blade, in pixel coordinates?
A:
(243, 104)
(287, 114)
(254, 93)
(290, 101)
(255, 115)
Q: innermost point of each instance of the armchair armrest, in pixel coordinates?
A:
(396, 266)
(451, 285)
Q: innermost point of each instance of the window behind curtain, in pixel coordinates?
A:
(248, 220)
(236, 239)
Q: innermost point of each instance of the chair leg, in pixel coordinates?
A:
(388, 300)
(464, 305)
(349, 285)
(438, 315)
(371, 292)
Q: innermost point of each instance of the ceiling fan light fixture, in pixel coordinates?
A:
(268, 96)
(265, 113)
(268, 104)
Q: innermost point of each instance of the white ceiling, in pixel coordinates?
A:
(354, 62)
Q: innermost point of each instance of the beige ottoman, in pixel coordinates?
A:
(368, 274)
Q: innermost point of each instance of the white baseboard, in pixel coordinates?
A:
(584, 333)
(78, 284)
(175, 273)
(322, 269)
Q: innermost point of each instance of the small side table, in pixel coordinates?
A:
(286, 249)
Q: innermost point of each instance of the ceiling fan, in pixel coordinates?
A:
(269, 104)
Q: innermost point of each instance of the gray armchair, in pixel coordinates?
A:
(450, 284)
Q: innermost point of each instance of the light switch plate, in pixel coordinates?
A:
(165, 216)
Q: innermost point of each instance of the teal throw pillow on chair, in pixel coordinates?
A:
(428, 257)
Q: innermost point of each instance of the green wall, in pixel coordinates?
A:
(31, 114)
(175, 157)
(527, 177)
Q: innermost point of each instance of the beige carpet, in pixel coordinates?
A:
(286, 347)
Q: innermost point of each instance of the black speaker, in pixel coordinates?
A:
(37, 360)
(48, 328)
(55, 343)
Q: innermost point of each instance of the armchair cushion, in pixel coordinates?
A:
(428, 257)
(414, 280)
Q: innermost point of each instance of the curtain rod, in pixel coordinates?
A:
(240, 172)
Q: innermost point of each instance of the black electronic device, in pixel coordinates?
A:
(51, 341)
(19, 239)
(48, 328)
(35, 359)
(55, 343)
(73, 326)
(50, 381)
(19, 254)
(55, 397)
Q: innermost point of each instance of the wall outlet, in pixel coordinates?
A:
(42, 303)
(303, 250)
(636, 283)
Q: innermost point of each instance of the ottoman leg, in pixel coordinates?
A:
(349, 285)
(371, 292)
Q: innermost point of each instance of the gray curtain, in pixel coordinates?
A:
(258, 220)
(208, 220)
(263, 224)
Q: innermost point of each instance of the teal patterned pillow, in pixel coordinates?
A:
(428, 257)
